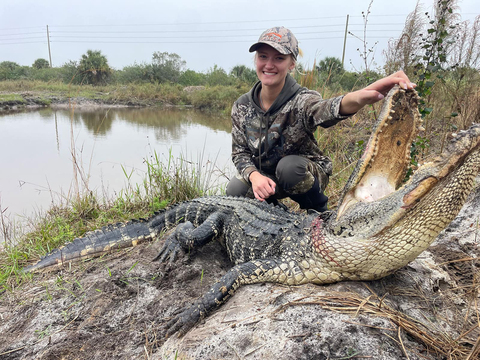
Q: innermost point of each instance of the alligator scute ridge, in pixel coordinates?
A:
(376, 229)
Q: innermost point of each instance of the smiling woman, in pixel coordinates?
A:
(273, 146)
(272, 68)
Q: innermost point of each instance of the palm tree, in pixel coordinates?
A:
(331, 66)
(94, 68)
(41, 64)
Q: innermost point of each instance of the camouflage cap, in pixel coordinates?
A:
(280, 38)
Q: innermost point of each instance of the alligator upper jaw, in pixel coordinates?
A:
(383, 165)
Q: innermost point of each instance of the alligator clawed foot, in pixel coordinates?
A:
(183, 321)
(169, 251)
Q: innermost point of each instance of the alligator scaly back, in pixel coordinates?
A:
(255, 219)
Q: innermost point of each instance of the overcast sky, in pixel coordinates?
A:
(203, 32)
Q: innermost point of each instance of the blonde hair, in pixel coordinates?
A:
(300, 54)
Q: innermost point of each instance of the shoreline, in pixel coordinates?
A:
(31, 96)
(34, 100)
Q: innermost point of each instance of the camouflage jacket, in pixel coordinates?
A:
(260, 139)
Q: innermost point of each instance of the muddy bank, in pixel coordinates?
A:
(114, 308)
(32, 100)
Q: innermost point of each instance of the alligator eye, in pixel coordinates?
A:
(399, 143)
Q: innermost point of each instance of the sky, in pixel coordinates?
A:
(204, 33)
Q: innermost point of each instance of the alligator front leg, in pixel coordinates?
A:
(256, 271)
(187, 237)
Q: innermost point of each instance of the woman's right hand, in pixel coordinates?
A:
(263, 187)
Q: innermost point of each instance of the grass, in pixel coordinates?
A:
(11, 98)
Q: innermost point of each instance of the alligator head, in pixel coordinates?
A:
(403, 218)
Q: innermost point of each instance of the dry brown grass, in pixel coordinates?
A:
(466, 346)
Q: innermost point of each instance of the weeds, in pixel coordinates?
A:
(43, 333)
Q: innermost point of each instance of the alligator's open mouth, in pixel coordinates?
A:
(376, 196)
(383, 165)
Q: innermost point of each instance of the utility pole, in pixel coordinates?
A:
(49, 53)
(345, 40)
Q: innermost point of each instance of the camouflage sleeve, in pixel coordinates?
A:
(241, 154)
(320, 112)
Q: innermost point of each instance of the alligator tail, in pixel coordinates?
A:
(98, 242)
(123, 235)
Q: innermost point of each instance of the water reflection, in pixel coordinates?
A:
(99, 123)
(36, 148)
(167, 122)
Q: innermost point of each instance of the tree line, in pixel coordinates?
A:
(93, 69)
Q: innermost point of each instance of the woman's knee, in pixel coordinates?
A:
(291, 170)
(237, 187)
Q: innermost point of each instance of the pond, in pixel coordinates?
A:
(38, 147)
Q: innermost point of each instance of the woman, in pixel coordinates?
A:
(273, 146)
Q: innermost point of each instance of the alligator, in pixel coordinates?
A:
(381, 224)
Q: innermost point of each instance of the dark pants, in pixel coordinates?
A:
(296, 177)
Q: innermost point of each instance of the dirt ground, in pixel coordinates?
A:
(113, 308)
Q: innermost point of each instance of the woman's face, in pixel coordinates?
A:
(272, 67)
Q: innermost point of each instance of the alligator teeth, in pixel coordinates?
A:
(389, 117)
(392, 111)
(421, 128)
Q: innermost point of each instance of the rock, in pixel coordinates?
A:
(190, 89)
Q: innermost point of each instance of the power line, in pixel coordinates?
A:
(29, 37)
(188, 42)
(145, 34)
(243, 21)
(21, 28)
(26, 42)
(205, 31)
(189, 37)
(163, 39)
(31, 33)
(203, 23)
(218, 22)
(229, 22)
